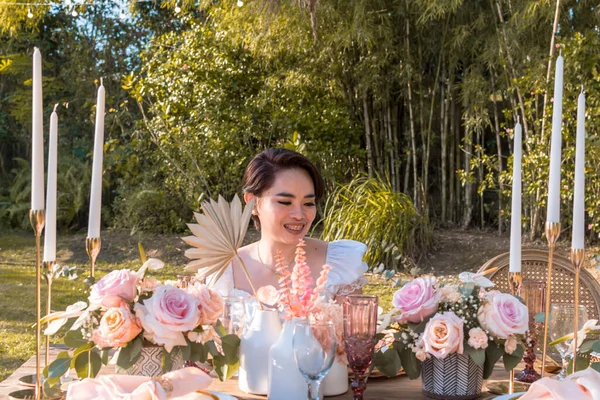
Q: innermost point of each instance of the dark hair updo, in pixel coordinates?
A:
(261, 171)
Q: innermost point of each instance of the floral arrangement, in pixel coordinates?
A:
(296, 298)
(128, 311)
(435, 319)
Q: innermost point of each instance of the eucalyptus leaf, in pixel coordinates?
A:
(492, 354)
(582, 363)
(88, 364)
(230, 345)
(74, 339)
(388, 362)
(410, 363)
(478, 355)
(57, 368)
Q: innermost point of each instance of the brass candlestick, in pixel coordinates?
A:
(37, 218)
(92, 247)
(515, 280)
(577, 256)
(552, 234)
(49, 267)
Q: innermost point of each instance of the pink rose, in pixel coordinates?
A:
(416, 300)
(167, 314)
(503, 315)
(117, 327)
(113, 288)
(443, 335)
(477, 338)
(210, 303)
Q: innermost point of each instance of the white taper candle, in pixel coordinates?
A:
(555, 146)
(515, 219)
(96, 192)
(579, 194)
(37, 136)
(50, 229)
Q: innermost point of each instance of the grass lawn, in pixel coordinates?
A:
(119, 250)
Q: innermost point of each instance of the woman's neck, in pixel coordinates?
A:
(266, 252)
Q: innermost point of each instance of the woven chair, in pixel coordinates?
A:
(534, 265)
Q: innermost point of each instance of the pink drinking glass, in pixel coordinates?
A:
(360, 327)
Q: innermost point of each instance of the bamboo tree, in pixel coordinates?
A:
(499, 150)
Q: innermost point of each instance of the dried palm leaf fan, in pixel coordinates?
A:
(218, 235)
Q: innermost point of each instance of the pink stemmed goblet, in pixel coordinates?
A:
(360, 327)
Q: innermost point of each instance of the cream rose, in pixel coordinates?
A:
(148, 285)
(510, 345)
(477, 338)
(167, 314)
(503, 315)
(117, 327)
(450, 293)
(443, 335)
(210, 303)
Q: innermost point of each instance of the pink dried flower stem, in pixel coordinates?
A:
(284, 280)
(320, 283)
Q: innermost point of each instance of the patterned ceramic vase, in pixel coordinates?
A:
(455, 377)
(150, 362)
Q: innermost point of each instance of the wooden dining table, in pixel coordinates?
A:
(399, 387)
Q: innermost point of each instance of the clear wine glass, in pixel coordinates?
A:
(360, 327)
(233, 317)
(314, 350)
(561, 321)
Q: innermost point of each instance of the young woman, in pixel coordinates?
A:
(287, 187)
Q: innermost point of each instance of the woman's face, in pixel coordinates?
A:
(287, 209)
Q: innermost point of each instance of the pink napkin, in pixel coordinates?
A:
(128, 387)
(582, 385)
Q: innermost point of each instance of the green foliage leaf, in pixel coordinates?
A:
(88, 364)
(595, 366)
(478, 355)
(492, 354)
(74, 339)
(540, 317)
(198, 352)
(57, 368)
(231, 346)
(167, 359)
(129, 354)
(388, 362)
(410, 363)
(582, 363)
(512, 360)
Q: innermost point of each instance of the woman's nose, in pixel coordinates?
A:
(296, 212)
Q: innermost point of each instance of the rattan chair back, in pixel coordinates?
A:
(534, 265)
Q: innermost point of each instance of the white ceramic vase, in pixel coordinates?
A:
(336, 380)
(263, 331)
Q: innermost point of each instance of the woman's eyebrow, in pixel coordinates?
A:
(285, 194)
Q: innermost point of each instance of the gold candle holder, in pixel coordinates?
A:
(37, 218)
(92, 247)
(49, 267)
(552, 234)
(515, 280)
(577, 256)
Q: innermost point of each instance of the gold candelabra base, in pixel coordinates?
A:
(37, 218)
(577, 256)
(92, 247)
(515, 280)
(49, 267)
(552, 234)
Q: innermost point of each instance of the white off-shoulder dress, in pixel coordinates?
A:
(346, 274)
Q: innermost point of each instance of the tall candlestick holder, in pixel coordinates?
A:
(49, 268)
(37, 218)
(577, 256)
(515, 280)
(552, 234)
(92, 247)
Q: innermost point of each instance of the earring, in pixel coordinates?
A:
(254, 212)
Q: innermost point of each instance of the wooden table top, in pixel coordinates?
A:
(399, 387)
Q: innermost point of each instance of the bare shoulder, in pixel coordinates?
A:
(245, 252)
(316, 246)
